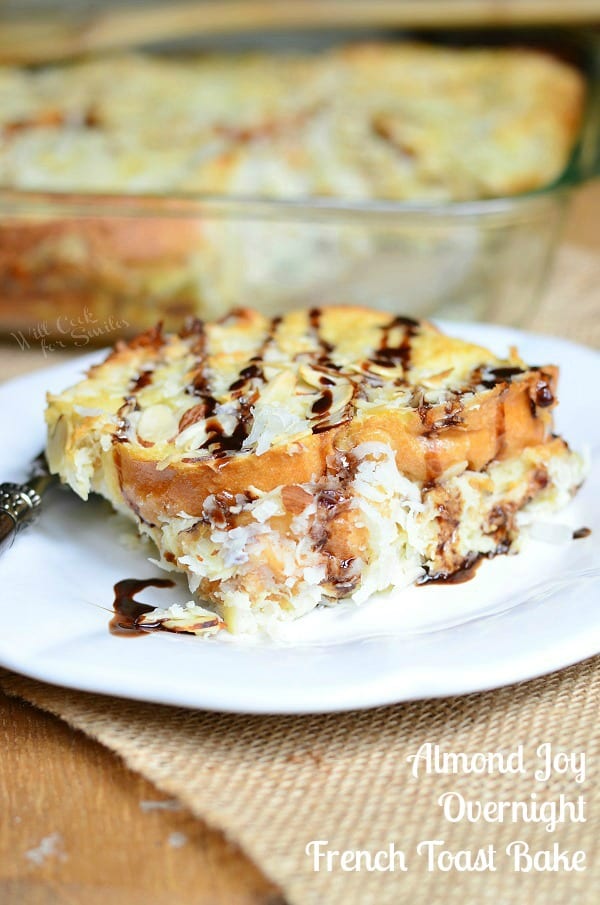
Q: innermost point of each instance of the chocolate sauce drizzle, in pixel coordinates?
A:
(323, 403)
(391, 353)
(491, 377)
(143, 380)
(151, 339)
(543, 394)
(128, 610)
(466, 572)
(541, 397)
(388, 356)
(199, 381)
(332, 501)
(130, 404)
(244, 389)
(314, 319)
(385, 356)
(500, 426)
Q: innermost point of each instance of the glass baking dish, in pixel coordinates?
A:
(81, 268)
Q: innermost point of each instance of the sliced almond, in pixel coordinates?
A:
(433, 380)
(157, 424)
(393, 373)
(202, 625)
(192, 416)
(295, 498)
(191, 619)
(192, 437)
(280, 388)
(333, 399)
(310, 376)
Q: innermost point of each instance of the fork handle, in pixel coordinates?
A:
(8, 529)
(17, 504)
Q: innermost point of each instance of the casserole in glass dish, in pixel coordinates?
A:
(280, 206)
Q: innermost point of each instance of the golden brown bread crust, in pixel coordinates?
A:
(434, 401)
(421, 455)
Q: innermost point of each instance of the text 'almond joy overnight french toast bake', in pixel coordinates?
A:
(322, 455)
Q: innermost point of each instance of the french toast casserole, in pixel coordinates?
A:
(318, 456)
(399, 122)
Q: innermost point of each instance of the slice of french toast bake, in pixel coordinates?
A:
(325, 454)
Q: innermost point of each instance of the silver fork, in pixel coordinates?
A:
(20, 502)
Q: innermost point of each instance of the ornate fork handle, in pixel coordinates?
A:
(18, 502)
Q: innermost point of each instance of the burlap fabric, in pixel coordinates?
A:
(274, 784)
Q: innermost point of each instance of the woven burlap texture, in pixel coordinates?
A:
(275, 783)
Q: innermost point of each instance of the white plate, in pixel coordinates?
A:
(521, 616)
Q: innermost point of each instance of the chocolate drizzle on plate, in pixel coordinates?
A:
(466, 572)
(581, 533)
(128, 610)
